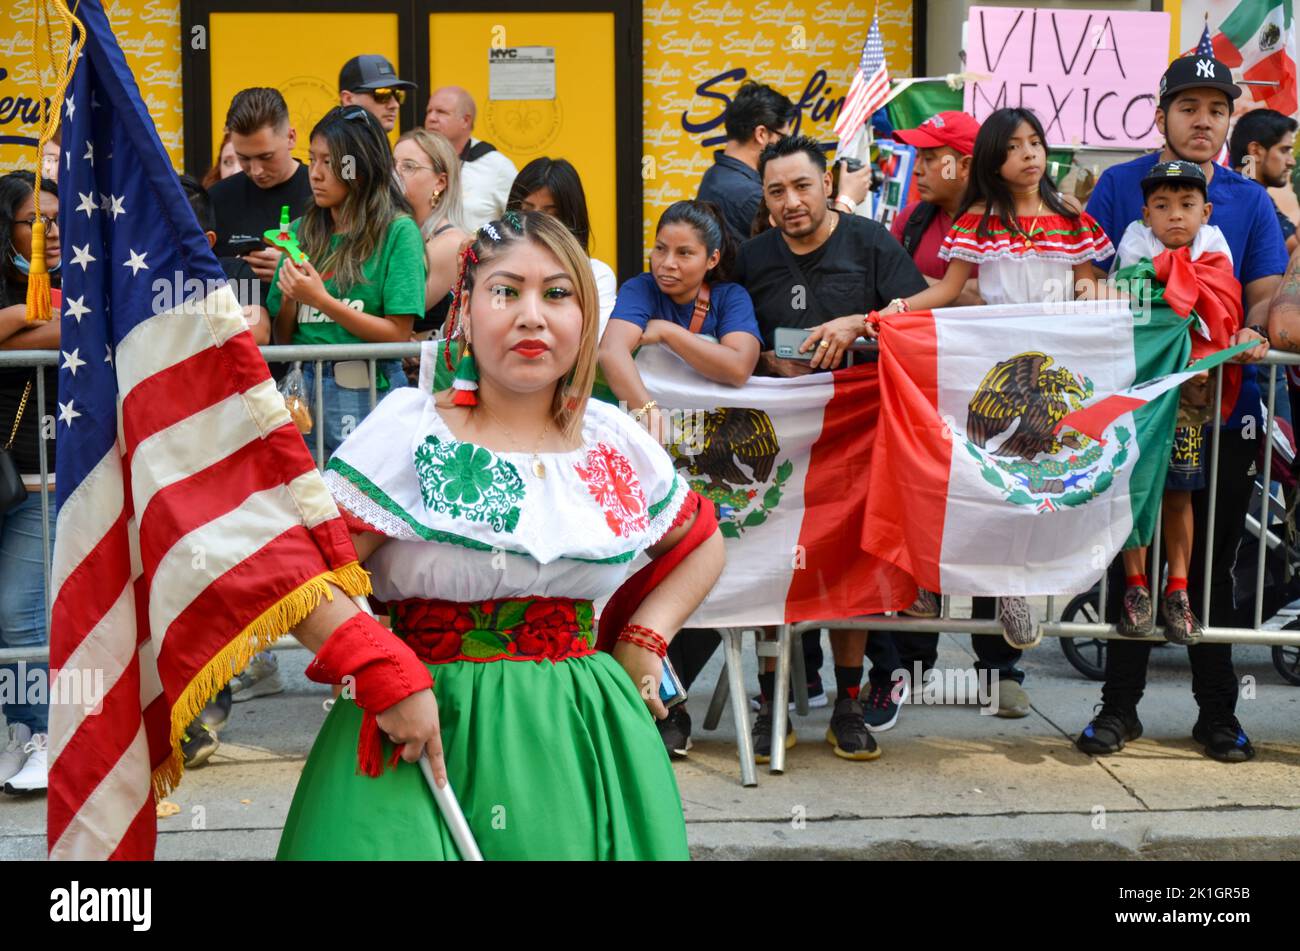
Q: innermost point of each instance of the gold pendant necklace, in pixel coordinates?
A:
(538, 467)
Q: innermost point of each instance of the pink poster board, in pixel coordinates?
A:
(1089, 75)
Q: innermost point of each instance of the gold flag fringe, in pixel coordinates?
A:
(269, 627)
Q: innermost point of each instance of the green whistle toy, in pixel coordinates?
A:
(284, 239)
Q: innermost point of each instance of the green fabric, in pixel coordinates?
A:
(392, 286)
(1161, 345)
(549, 761)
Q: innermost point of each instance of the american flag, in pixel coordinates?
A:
(870, 86)
(193, 527)
(1206, 46)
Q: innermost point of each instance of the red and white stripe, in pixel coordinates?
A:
(865, 96)
(207, 512)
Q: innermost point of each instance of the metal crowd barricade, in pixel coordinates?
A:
(786, 634)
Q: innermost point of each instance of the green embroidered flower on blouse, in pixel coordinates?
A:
(467, 481)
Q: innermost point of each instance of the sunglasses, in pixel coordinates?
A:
(383, 94)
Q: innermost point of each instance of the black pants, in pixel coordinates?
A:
(889, 651)
(691, 649)
(1214, 681)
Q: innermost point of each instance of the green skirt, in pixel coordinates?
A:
(549, 761)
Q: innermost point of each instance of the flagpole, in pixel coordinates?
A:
(444, 796)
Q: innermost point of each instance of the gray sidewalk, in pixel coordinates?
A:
(952, 783)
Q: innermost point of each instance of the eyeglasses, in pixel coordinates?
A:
(410, 168)
(383, 94)
(31, 222)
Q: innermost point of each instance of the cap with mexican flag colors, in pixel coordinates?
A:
(1257, 41)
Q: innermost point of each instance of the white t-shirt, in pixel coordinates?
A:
(485, 186)
(1138, 243)
(606, 290)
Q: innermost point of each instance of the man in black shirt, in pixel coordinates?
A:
(822, 271)
(817, 269)
(248, 203)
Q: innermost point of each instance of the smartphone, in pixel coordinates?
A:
(788, 342)
(671, 691)
(246, 246)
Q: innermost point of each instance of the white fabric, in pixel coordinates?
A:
(607, 291)
(1139, 242)
(564, 542)
(1092, 339)
(484, 187)
(1025, 280)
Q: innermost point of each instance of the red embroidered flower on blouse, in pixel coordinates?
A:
(616, 489)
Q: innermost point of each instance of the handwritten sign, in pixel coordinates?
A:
(1089, 75)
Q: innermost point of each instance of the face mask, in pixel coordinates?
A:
(25, 267)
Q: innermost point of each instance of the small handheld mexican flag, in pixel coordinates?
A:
(976, 487)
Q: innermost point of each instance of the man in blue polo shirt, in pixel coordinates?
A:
(1195, 105)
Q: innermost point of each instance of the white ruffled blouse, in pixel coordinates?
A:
(466, 523)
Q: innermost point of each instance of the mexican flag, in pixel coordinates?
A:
(787, 464)
(1257, 39)
(974, 491)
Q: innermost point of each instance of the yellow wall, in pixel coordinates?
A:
(689, 44)
(149, 32)
(577, 125)
(254, 52)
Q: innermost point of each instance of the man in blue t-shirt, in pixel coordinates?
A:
(1195, 105)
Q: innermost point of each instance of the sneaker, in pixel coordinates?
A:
(1013, 702)
(260, 678)
(848, 731)
(1020, 629)
(816, 698)
(925, 605)
(1181, 625)
(198, 744)
(675, 731)
(34, 776)
(1109, 731)
(217, 712)
(763, 735)
(1135, 618)
(14, 757)
(1224, 740)
(880, 709)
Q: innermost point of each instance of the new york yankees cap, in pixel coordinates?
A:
(1198, 72)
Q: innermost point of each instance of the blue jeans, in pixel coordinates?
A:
(22, 599)
(344, 409)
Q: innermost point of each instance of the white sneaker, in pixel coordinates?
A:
(14, 757)
(34, 776)
(261, 678)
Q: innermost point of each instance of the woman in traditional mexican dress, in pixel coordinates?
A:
(491, 516)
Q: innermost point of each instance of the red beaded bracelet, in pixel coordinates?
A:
(644, 637)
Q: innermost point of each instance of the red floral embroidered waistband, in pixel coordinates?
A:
(533, 629)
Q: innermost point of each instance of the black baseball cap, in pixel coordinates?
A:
(1198, 72)
(370, 71)
(1163, 173)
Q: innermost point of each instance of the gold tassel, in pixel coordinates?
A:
(265, 630)
(38, 278)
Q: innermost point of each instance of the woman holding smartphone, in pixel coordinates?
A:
(364, 280)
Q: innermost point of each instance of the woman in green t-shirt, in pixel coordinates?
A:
(364, 278)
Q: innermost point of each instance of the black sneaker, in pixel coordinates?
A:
(675, 731)
(1224, 740)
(763, 734)
(848, 731)
(880, 708)
(217, 712)
(1109, 731)
(197, 744)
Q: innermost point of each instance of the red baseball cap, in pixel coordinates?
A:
(955, 129)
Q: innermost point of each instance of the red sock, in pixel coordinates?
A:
(1176, 584)
(1137, 581)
